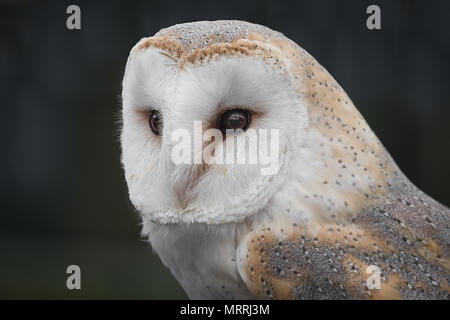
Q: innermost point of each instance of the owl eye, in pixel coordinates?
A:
(155, 122)
(235, 119)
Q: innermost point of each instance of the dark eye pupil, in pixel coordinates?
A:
(235, 119)
(155, 122)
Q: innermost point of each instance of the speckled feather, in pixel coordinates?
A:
(355, 208)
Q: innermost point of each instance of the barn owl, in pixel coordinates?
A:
(337, 209)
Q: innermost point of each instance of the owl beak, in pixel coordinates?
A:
(185, 182)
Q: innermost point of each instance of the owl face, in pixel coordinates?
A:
(162, 98)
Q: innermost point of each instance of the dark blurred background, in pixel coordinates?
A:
(63, 195)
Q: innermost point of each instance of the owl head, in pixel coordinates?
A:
(192, 81)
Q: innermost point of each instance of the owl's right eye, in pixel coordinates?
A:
(155, 122)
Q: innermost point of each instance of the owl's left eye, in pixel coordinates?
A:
(235, 119)
(155, 122)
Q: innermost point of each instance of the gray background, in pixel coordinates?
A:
(63, 196)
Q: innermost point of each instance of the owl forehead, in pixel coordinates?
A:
(203, 34)
(200, 42)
